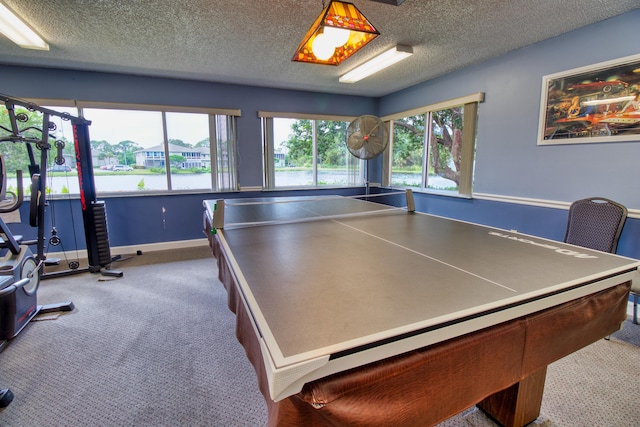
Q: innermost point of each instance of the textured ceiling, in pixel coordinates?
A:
(252, 41)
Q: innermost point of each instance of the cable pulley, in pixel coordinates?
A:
(54, 240)
(59, 154)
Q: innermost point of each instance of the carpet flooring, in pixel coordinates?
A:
(157, 347)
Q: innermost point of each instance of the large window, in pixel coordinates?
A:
(118, 138)
(137, 148)
(433, 147)
(20, 155)
(305, 152)
(408, 151)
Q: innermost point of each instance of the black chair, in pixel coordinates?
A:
(595, 223)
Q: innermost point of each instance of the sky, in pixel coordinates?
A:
(145, 127)
(281, 131)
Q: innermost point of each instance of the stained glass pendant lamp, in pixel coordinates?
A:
(340, 31)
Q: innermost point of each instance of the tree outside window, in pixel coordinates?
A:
(313, 153)
(446, 165)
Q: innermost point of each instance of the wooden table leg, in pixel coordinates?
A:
(519, 404)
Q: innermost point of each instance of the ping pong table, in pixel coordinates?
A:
(360, 313)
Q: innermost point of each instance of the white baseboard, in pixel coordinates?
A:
(124, 250)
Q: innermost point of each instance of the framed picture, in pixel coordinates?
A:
(597, 103)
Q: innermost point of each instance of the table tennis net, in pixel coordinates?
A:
(247, 212)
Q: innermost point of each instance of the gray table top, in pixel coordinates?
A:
(323, 287)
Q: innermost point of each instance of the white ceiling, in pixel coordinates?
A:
(252, 41)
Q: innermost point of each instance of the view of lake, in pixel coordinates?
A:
(132, 182)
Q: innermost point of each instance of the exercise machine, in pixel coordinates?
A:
(19, 277)
(20, 269)
(93, 211)
(20, 273)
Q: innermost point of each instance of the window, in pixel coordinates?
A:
(140, 147)
(189, 151)
(21, 155)
(433, 147)
(122, 138)
(62, 179)
(408, 151)
(308, 152)
(224, 151)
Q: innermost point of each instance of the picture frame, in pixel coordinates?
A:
(596, 103)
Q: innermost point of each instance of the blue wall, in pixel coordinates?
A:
(139, 220)
(539, 221)
(508, 161)
(43, 83)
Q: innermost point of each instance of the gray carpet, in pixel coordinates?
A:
(153, 348)
(157, 348)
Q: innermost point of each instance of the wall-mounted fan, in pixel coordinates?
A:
(367, 137)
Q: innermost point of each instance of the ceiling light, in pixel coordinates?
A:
(323, 47)
(338, 36)
(19, 32)
(378, 63)
(342, 30)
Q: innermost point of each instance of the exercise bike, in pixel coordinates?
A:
(20, 273)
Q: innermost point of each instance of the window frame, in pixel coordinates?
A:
(213, 114)
(268, 148)
(470, 119)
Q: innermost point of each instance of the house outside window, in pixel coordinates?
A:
(143, 148)
(308, 151)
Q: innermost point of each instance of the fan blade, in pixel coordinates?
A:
(367, 137)
(375, 146)
(355, 141)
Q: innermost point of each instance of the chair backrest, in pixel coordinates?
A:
(595, 223)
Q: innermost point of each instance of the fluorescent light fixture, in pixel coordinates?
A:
(378, 63)
(19, 32)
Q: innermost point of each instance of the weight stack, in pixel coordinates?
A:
(101, 233)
